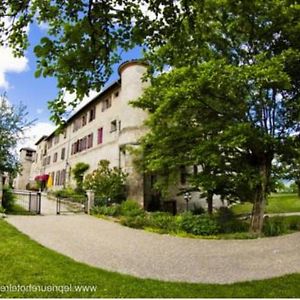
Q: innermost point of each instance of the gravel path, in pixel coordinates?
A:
(114, 247)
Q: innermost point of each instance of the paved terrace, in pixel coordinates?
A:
(113, 247)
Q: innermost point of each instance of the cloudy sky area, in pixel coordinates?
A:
(18, 82)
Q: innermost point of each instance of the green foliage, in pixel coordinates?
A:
(199, 225)
(137, 221)
(13, 122)
(113, 210)
(165, 222)
(130, 208)
(197, 210)
(229, 223)
(65, 193)
(78, 173)
(275, 226)
(280, 225)
(9, 199)
(108, 183)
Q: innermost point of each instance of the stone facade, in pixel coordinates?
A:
(27, 158)
(100, 130)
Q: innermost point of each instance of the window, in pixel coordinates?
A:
(83, 119)
(113, 125)
(57, 178)
(65, 133)
(56, 139)
(116, 94)
(63, 153)
(92, 114)
(29, 153)
(100, 135)
(62, 180)
(120, 127)
(76, 125)
(106, 104)
(50, 142)
(48, 160)
(55, 157)
(90, 141)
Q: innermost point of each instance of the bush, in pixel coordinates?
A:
(8, 200)
(131, 208)
(164, 221)
(139, 221)
(275, 226)
(293, 222)
(229, 223)
(108, 183)
(112, 211)
(199, 224)
(78, 174)
(198, 210)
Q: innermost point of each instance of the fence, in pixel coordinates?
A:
(29, 201)
(74, 204)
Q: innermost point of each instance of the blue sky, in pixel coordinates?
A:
(20, 85)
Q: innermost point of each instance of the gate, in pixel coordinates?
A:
(74, 204)
(30, 201)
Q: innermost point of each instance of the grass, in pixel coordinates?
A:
(25, 262)
(19, 210)
(277, 203)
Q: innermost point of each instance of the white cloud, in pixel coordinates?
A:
(8, 62)
(34, 133)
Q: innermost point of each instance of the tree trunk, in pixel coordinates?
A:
(209, 200)
(260, 197)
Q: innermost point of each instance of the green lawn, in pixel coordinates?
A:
(25, 262)
(277, 203)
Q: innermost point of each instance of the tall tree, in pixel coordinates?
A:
(234, 79)
(13, 122)
(84, 39)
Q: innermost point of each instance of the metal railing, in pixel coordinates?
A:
(28, 200)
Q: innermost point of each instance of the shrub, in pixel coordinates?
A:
(138, 221)
(130, 208)
(78, 173)
(197, 210)
(275, 226)
(113, 210)
(164, 221)
(108, 183)
(229, 223)
(293, 222)
(8, 199)
(199, 224)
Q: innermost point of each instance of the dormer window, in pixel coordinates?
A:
(106, 104)
(92, 114)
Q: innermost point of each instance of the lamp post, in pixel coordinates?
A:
(187, 197)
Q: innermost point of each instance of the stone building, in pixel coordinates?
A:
(101, 130)
(27, 158)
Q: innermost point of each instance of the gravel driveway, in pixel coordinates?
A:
(117, 248)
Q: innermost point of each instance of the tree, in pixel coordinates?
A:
(13, 123)
(78, 173)
(108, 183)
(234, 86)
(85, 38)
(233, 62)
